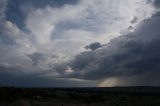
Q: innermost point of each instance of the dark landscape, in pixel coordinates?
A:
(111, 96)
(79, 52)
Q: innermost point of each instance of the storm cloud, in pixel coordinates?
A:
(93, 46)
(79, 42)
(133, 59)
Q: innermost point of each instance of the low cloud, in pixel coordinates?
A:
(12, 75)
(132, 57)
(93, 46)
(37, 58)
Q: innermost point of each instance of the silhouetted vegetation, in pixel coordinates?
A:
(118, 96)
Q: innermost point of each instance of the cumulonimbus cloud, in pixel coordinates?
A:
(131, 59)
(54, 35)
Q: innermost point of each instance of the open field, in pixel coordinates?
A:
(117, 96)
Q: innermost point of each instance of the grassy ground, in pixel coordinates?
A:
(78, 97)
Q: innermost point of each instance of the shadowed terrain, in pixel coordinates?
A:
(113, 96)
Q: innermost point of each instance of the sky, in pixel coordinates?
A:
(79, 43)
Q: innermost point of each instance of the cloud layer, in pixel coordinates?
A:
(131, 59)
(47, 39)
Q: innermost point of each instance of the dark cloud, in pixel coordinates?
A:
(133, 55)
(15, 8)
(94, 46)
(37, 57)
(157, 3)
(14, 13)
(38, 81)
(7, 28)
(12, 75)
(2, 7)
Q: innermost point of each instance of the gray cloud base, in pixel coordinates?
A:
(135, 57)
